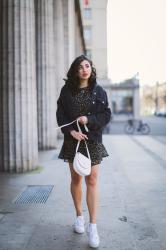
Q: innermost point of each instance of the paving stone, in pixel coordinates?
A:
(130, 214)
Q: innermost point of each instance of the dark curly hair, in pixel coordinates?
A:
(72, 76)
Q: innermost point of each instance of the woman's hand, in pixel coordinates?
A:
(78, 135)
(83, 120)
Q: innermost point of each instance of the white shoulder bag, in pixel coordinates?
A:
(81, 163)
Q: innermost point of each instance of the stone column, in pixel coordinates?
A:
(59, 44)
(78, 39)
(46, 83)
(18, 100)
(66, 34)
(136, 103)
(136, 98)
(69, 31)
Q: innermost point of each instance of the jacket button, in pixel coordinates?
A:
(94, 93)
(93, 102)
(102, 101)
(88, 113)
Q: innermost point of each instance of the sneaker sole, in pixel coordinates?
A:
(79, 232)
(93, 246)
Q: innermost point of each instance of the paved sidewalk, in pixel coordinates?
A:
(132, 211)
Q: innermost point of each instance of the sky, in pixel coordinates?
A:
(137, 40)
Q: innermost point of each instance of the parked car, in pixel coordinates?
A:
(161, 113)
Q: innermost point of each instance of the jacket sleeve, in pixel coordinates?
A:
(61, 114)
(100, 119)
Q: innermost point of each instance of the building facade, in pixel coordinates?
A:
(95, 33)
(39, 39)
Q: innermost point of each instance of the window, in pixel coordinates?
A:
(87, 13)
(87, 33)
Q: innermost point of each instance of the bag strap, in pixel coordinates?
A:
(78, 143)
(66, 124)
(79, 129)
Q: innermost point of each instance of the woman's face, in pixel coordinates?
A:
(84, 70)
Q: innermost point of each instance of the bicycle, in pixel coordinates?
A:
(136, 126)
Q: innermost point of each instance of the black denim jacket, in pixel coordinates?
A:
(98, 115)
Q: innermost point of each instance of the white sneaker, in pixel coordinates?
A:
(79, 225)
(93, 237)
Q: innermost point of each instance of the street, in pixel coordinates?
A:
(132, 209)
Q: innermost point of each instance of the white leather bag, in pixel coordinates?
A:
(81, 163)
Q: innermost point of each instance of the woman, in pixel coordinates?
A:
(81, 98)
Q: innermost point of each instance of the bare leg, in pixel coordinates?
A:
(92, 193)
(76, 190)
